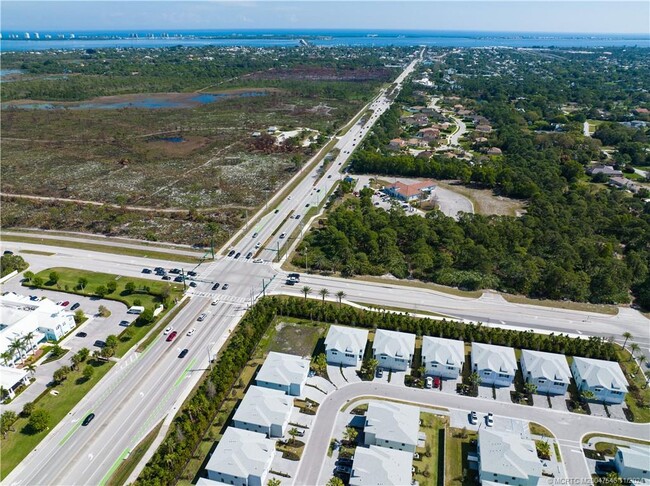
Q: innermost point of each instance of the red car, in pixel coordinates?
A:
(65, 303)
(171, 336)
(436, 382)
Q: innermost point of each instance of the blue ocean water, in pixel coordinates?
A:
(286, 38)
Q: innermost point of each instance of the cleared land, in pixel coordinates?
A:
(484, 200)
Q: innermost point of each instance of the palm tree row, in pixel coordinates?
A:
(340, 295)
(20, 346)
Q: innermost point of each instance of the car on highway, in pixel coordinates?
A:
(282, 235)
(276, 211)
(168, 330)
(249, 255)
(146, 270)
(489, 419)
(192, 273)
(257, 245)
(255, 235)
(215, 286)
(171, 336)
(258, 260)
(166, 277)
(184, 353)
(191, 331)
(175, 270)
(179, 278)
(81, 334)
(89, 418)
(238, 254)
(317, 190)
(225, 286)
(34, 297)
(202, 317)
(192, 284)
(75, 306)
(215, 302)
(473, 418)
(307, 205)
(8, 252)
(329, 176)
(297, 216)
(231, 253)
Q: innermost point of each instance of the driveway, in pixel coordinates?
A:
(397, 377)
(335, 374)
(503, 393)
(485, 392)
(351, 374)
(449, 386)
(557, 402)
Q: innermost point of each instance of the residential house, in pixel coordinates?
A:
(411, 192)
(494, 151)
(421, 120)
(549, 372)
(345, 345)
(392, 425)
(428, 134)
(506, 458)
(633, 463)
(396, 144)
(624, 183)
(285, 372)
(242, 458)
(425, 154)
(495, 365)
(483, 128)
(378, 465)
(408, 120)
(603, 378)
(417, 143)
(443, 357)
(607, 170)
(641, 111)
(393, 350)
(265, 411)
(480, 140)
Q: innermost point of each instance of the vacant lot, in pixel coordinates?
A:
(484, 200)
(297, 338)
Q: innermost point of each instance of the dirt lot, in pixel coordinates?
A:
(323, 74)
(484, 200)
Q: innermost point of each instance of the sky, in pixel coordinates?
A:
(558, 16)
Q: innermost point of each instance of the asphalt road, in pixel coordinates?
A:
(567, 428)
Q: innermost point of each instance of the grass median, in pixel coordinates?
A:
(21, 441)
(119, 250)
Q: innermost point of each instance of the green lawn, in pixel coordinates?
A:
(429, 461)
(457, 448)
(20, 443)
(638, 397)
(146, 291)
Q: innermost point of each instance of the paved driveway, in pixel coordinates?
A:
(485, 392)
(503, 393)
(557, 402)
(449, 386)
(351, 374)
(336, 376)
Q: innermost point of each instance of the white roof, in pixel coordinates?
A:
(508, 454)
(346, 339)
(551, 366)
(19, 316)
(381, 466)
(597, 372)
(263, 406)
(242, 453)
(10, 376)
(393, 421)
(636, 456)
(393, 343)
(208, 482)
(443, 351)
(495, 358)
(283, 369)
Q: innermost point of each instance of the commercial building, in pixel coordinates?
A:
(378, 465)
(495, 365)
(411, 192)
(284, 372)
(42, 319)
(265, 411)
(392, 425)
(506, 458)
(393, 350)
(345, 345)
(603, 378)
(242, 458)
(443, 357)
(549, 372)
(11, 379)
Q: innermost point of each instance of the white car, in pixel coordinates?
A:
(257, 245)
(489, 419)
(202, 317)
(258, 260)
(215, 302)
(191, 331)
(168, 330)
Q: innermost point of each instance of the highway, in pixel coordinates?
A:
(143, 388)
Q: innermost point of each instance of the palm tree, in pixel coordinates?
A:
(642, 358)
(634, 347)
(306, 290)
(16, 346)
(293, 432)
(588, 395)
(324, 293)
(647, 378)
(340, 295)
(7, 357)
(28, 339)
(627, 335)
(31, 367)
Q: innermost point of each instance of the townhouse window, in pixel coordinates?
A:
(334, 352)
(349, 355)
(383, 357)
(501, 375)
(558, 383)
(450, 367)
(542, 380)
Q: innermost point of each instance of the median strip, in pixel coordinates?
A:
(115, 465)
